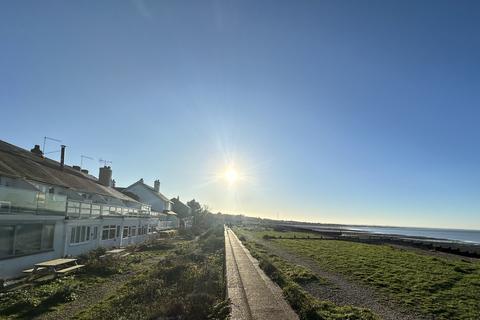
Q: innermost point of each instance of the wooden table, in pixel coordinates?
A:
(55, 263)
(56, 266)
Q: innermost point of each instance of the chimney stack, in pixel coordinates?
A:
(36, 150)
(62, 156)
(156, 185)
(105, 176)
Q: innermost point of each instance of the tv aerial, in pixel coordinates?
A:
(50, 139)
(105, 162)
(84, 157)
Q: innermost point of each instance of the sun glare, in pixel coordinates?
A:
(231, 175)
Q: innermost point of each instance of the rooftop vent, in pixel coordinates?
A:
(84, 171)
(76, 168)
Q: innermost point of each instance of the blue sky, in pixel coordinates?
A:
(360, 112)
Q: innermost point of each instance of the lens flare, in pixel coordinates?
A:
(231, 175)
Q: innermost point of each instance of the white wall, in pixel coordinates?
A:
(146, 196)
(13, 266)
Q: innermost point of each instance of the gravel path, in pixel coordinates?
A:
(342, 291)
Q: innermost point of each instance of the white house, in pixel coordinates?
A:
(158, 202)
(50, 210)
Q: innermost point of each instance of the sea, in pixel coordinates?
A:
(468, 236)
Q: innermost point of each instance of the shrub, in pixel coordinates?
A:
(104, 266)
(268, 237)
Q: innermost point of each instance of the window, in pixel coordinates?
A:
(95, 233)
(125, 232)
(24, 239)
(72, 234)
(80, 234)
(28, 238)
(6, 240)
(77, 234)
(105, 232)
(5, 206)
(142, 230)
(111, 234)
(133, 231)
(108, 232)
(47, 236)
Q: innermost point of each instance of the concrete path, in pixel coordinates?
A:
(253, 295)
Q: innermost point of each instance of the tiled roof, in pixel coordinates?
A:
(16, 162)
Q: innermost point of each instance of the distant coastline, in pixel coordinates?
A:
(456, 235)
(467, 236)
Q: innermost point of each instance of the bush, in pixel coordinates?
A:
(104, 266)
(272, 271)
(212, 243)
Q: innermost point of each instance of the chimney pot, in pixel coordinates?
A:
(156, 185)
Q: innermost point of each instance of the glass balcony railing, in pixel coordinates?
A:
(22, 201)
(17, 201)
(77, 209)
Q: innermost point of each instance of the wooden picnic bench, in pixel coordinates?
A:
(33, 269)
(75, 267)
(56, 266)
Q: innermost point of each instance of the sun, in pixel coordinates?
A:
(231, 175)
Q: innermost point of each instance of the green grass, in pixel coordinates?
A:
(187, 284)
(446, 288)
(290, 277)
(173, 278)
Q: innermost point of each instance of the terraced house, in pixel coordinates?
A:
(50, 210)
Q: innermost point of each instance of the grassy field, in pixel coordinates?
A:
(290, 277)
(439, 286)
(180, 278)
